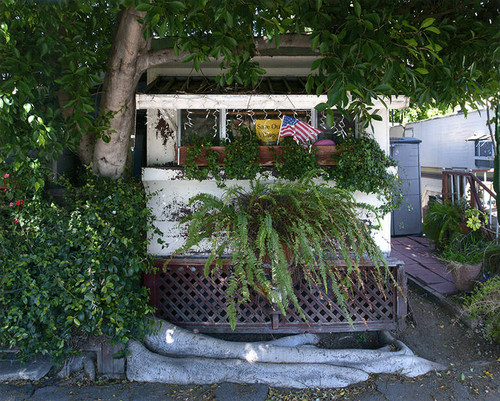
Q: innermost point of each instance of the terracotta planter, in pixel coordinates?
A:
(463, 274)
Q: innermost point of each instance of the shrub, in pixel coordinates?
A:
(363, 166)
(484, 303)
(443, 222)
(296, 160)
(72, 269)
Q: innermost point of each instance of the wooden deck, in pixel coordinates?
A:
(422, 264)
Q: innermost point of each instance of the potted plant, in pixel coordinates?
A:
(463, 256)
(280, 231)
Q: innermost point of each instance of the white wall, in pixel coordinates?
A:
(443, 139)
(170, 205)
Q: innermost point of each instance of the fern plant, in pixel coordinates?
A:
(263, 227)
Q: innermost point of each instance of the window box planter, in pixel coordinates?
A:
(325, 155)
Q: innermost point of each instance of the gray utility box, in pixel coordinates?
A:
(407, 220)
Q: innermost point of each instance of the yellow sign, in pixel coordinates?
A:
(268, 130)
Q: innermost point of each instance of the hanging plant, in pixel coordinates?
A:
(278, 231)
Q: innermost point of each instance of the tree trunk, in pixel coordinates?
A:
(173, 340)
(146, 366)
(117, 108)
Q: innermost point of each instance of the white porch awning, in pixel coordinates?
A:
(246, 101)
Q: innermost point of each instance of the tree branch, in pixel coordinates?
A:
(155, 58)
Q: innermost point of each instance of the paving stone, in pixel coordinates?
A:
(370, 396)
(15, 393)
(428, 277)
(422, 390)
(114, 392)
(32, 370)
(249, 392)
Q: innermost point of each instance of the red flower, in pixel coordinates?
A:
(16, 220)
(19, 202)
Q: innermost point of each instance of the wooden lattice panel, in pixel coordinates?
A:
(182, 295)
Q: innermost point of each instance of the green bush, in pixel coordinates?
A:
(443, 222)
(363, 166)
(466, 248)
(72, 269)
(296, 160)
(484, 303)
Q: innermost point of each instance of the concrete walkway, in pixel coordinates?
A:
(386, 388)
(422, 264)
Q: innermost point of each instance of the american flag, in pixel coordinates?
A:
(299, 130)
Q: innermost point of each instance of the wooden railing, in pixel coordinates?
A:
(464, 185)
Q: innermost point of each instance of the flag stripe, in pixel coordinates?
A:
(299, 130)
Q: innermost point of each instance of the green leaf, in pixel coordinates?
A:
(383, 88)
(143, 6)
(177, 6)
(427, 22)
(316, 63)
(330, 118)
(229, 19)
(357, 9)
(321, 106)
(309, 83)
(422, 71)
(315, 41)
(196, 63)
(411, 42)
(433, 29)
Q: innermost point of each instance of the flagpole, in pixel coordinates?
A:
(279, 133)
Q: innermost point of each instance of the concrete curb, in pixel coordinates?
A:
(460, 315)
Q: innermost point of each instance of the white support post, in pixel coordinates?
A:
(222, 124)
(314, 118)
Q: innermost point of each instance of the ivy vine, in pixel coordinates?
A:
(201, 149)
(242, 157)
(361, 165)
(295, 160)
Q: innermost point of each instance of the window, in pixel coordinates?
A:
(484, 154)
(216, 125)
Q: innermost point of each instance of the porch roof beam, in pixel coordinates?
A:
(246, 101)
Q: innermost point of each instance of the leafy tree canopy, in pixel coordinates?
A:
(53, 56)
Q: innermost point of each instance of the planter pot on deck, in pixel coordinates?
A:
(463, 274)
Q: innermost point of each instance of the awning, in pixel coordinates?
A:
(479, 136)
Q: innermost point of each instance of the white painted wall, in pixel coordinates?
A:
(170, 204)
(443, 139)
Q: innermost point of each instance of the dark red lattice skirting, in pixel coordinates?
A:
(182, 295)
